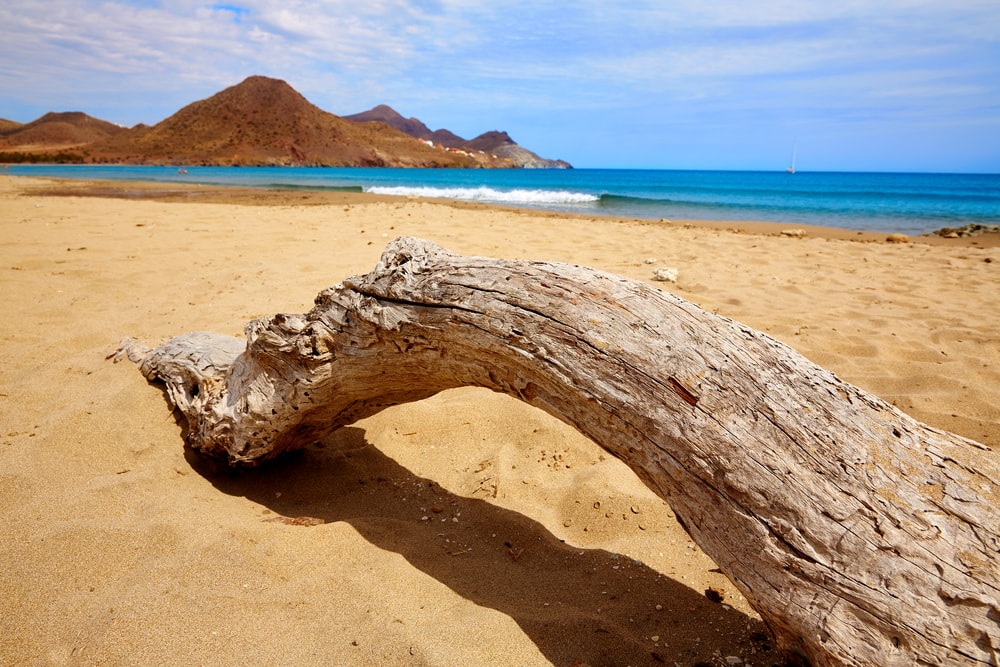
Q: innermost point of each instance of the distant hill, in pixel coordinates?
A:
(8, 126)
(445, 138)
(412, 126)
(264, 121)
(501, 145)
(386, 114)
(260, 121)
(67, 129)
(494, 143)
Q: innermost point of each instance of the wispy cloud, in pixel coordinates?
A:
(781, 68)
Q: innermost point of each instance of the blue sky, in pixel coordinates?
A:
(908, 85)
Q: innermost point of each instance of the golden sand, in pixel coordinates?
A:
(467, 529)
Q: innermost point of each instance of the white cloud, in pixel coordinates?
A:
(455, 61)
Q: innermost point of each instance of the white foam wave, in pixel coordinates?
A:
(492, 195)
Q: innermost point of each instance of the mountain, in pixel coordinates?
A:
(260, 121)
(386, 114)
(493, 143)
(264, 121)
(446, 138)
(68, 129)
(501, 145)
(7, 126)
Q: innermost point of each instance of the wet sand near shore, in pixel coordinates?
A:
(295, 197)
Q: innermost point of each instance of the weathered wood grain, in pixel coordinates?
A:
(861, 536)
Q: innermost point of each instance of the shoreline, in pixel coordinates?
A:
(273, 196)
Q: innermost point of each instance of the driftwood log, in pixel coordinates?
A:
(856, 532)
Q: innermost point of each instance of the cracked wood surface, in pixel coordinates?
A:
(860, 535)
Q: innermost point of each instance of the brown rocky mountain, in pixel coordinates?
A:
(69, 129)
(494, 143)
(446, 138)
(501, 145)
(383, 113)
(261, 121)
(8, 126)
(264, 121)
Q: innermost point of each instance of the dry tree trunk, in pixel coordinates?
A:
(857, 533)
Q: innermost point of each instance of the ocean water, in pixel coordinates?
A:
(910, 203)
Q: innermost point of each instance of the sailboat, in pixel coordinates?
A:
(791, 168)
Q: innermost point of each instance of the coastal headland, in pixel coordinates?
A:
(261, 121)
(464, 529)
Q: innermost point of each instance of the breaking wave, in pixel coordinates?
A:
(492, 195)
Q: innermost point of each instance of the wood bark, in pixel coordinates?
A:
(861, 536)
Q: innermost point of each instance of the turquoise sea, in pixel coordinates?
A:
(911, 203)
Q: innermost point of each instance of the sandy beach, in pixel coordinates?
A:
(467, 529)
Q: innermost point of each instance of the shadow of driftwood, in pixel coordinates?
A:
(577, 605)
